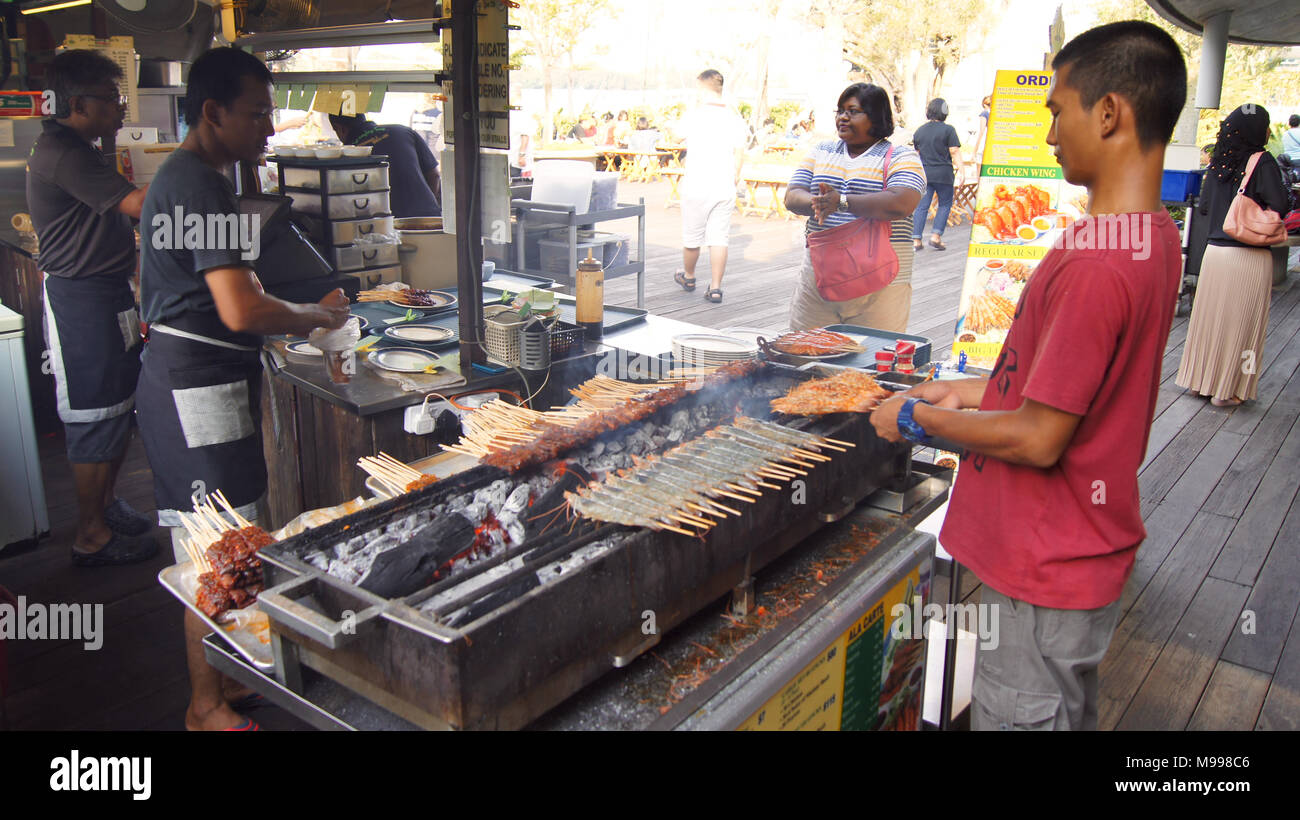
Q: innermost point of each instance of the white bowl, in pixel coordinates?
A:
(357, 150)
(329, 153)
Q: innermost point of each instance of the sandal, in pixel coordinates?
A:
(938, 245)
(687, 282)
(713, 294)
(249, 725)
(917, 246)
(119, 550)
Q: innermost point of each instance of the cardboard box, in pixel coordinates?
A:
(139, 163)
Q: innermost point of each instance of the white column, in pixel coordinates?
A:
(1214, 48)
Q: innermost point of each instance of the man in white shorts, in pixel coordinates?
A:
(715, 151)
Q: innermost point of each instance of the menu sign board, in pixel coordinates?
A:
(493, 63)
(1022, 205)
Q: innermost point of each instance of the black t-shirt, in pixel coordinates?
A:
(409, 162)
(172, 280)
(932, 142)
(73, 192)
(1265, 187)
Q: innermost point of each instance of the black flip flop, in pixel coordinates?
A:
(713, 294)
(687, 282)
(938, 245)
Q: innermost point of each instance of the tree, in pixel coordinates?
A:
(905, 46)
(1251, 74)
(552, 30)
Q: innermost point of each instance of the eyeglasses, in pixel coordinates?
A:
(850, 112)
(120, 101)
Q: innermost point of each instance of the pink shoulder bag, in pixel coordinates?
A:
(1249, 222)
(854, 259)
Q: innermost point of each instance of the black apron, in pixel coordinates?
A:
(200, 416)
(92, 329)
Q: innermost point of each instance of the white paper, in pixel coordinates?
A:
(6, 134)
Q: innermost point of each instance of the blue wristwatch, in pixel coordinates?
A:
(907, 425)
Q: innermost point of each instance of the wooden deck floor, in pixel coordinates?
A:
(1219, 491)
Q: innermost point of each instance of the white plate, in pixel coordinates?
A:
(403, 359)
(749, 334)
(711, 343)
(441, 299)
(419, 334)
(302, 349)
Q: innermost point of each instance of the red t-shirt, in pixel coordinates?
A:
(1088, 339)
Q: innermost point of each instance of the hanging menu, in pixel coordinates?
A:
(493, 62)
(1022, 205)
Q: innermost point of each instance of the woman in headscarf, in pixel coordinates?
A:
(1225, 336)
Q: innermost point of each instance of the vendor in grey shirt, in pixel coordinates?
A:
(82, 210)
(201, 377)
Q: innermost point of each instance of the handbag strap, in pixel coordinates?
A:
(884, 171)
(1250, 169)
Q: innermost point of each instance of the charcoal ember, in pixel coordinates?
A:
(515, 589)
(345, 570)
(398, 573)
(596, 449)
(318, 560)
(518, 499)
(475, 511)
(494, 495)
(615, 446)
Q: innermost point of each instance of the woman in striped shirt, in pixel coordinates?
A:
(845, 179)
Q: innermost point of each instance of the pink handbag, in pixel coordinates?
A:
(1250, 223)
(854, 259)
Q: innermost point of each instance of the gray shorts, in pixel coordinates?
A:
(706, 222)
(94, 442)
(1043, 673)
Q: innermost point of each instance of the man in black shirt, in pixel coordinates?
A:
(82, 210)
(412, 168)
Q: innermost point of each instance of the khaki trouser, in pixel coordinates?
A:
(1043, 672)
(887, 309)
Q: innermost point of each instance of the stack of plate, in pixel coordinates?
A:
(711, 349)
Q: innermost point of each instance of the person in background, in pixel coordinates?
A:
(523, 159)
(1045, 510)
(622, 127)
(940, 151)
(1291, 139)
(412, 167)
(428, 123)
(715, 138)
(605, 136)
(642, 124)
(201, 379)
(1224, 351)
(841, 180)
(986, 108)
(1207, 155)
(82, 210)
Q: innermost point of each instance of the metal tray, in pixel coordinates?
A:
(502, 280)
(244, 640)
(873, 340)
(440, 465)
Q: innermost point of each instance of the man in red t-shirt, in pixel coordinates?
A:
(1045, 509)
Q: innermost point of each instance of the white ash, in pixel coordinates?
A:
(470, 584)
(350, 560)
(578, 557)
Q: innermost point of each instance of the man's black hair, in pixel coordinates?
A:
(219, 75)
(937, 110)
(875, 101)
(77, 73)
(712, 77)
(1293, 121)
(1140, 62)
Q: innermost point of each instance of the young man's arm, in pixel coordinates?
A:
(244, 308)
(1084, 314)
(1035, 435)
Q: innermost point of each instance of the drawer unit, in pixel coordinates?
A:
(366, 255)
(356, 205)
(377, 276)
(339, 180)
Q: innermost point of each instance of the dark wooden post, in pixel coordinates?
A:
(469, 227)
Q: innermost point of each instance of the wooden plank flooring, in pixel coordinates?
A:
(1219, 494)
